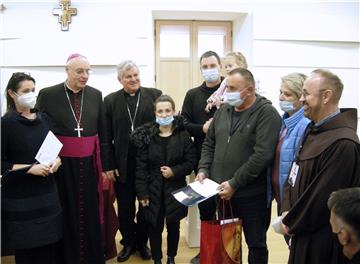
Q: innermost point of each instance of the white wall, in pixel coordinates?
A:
(277, 38)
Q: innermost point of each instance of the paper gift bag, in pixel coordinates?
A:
(220, 241)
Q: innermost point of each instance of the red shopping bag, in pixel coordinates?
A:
(220, 241)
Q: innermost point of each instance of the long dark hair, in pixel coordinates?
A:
(14, 85)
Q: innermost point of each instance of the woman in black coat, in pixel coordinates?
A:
(165, 156)
(30, 207)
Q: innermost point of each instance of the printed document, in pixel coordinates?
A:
(196, 192)
(49, 149)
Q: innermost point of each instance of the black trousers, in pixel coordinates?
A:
(173, 234)
(40, 255)
(256, 220)
(133, 233)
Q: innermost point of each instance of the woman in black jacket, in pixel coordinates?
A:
(30, 207)
(165, 156)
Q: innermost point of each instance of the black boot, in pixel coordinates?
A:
(157, 261)
(145, 252)
(170, 260)
(125, 253)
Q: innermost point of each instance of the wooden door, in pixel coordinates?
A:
(179, 45)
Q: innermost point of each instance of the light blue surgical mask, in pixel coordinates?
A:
(287, 106)
(211, 75)
(164, 121)
(233, 99)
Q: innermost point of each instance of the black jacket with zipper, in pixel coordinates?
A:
(243, 157)
(180, 157)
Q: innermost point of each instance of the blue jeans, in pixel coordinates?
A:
(256, 220)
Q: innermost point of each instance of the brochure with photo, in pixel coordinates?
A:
(196, 192)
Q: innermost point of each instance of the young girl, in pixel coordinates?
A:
(232, 61)
(165, 156)
(30, 207)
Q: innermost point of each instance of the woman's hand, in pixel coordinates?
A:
(166, 172)
(144, 202)
(39, 170)
(54, 166)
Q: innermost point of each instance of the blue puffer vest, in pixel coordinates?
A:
(295, 128)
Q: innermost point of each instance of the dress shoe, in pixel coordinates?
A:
(125, 253)
(157, 261)
(170, 260)
(196, 259)
(145, 252)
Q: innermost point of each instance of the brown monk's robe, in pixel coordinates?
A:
(329, 160)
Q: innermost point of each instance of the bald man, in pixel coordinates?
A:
(78, 117)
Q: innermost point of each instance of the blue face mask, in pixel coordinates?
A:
(286, 106)
(164, 121)
(233, 99)
(211, 75)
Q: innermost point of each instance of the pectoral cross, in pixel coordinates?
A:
(78, 129)
(64, 13)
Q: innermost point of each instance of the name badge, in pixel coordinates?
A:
(293, 174)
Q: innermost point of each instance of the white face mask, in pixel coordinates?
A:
(27, 100)
(233, 99)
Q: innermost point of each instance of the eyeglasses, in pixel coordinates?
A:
(305, 93)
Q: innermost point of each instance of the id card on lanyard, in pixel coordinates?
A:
(293, 173)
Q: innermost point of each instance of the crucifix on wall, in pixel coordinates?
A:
(64, 12)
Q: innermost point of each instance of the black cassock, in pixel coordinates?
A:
(77, 179)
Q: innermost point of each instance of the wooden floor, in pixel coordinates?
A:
(278, 252)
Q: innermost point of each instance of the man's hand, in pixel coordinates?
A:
(144, 202)
(200, 177)
(110, 175)
(285, 227)
(226, 191)
(166, 172)
(205, 127)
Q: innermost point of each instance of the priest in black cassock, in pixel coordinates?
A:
(127, 109)
(327, 160)
(79, 122)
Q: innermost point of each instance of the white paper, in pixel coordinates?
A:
(196, 192)
(49, 149)
(276, 225)
(180, 196)
(207, 188)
